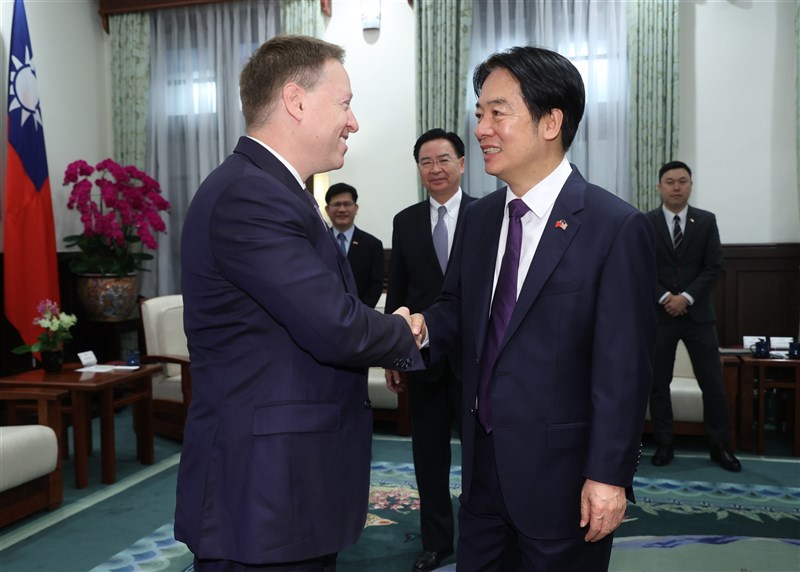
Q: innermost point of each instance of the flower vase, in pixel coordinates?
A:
(52, 361)
(108, 298)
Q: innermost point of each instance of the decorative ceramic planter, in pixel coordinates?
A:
(52, 361)
(107, 298)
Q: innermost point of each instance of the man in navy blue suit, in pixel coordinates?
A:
(549, 293)
(364, 251)
(274, 472)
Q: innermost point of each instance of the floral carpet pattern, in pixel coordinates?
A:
(755, 519)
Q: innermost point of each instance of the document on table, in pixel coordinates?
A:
(97, 368)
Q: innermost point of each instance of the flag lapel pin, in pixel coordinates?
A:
(562, 224)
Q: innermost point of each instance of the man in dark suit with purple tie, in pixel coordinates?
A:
(548, 293)
(416, 272)
(274, 472)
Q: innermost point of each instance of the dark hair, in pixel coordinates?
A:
(673, 165)
(438, 133)
(278, 61)
(338, 189)
(547, 81)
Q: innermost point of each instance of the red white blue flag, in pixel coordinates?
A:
(31, 268)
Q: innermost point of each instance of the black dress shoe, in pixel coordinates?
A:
(663, 455)
(724, 459)
(428, 560)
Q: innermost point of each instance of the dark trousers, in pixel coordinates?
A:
(703, 347)
(488, 541)
(435, 411)
(321, 564)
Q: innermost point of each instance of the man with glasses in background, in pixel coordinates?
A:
(364, 251)
(423, 236)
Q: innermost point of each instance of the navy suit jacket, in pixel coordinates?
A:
(694, 267)
(276, 452)
(365, 256)
(415, 277)
(571, 382)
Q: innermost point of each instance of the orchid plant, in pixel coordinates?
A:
(119, 222)
(56, 326)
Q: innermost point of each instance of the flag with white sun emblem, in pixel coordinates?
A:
(31, 271)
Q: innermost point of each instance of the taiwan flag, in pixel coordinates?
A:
(31, 269)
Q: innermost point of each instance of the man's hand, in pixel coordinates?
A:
(602, 508)
(395, 381)
(418, 328)
(675, 305)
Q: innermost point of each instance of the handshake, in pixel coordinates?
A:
(416, 322)
(395, 381)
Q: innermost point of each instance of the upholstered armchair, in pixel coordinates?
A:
(30, 471)
(165, 343)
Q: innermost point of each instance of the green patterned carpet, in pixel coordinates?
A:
(676, 525)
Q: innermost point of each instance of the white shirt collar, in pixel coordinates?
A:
(541, 197)
(286, 163)
(452, 205)
(669, 216)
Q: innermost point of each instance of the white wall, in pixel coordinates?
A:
(72, 55)
(738, 107)
(381, 64)
(738, 118)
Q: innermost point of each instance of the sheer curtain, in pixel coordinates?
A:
(195, 116)
(592, 34)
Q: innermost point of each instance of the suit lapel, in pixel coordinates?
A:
(488, 232)
(552, 246)
(660, 225)
(270, 164)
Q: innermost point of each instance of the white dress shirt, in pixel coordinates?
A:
(540, 199)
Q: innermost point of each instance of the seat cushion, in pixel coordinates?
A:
(27, 452)
(167, 388)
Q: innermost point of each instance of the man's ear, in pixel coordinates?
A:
(550, 124)
(293, 100)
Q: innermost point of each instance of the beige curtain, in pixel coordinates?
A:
(302, 17)
(443, 36)
(130, 77)
(653, 54)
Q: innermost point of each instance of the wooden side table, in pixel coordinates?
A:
(759, 369)
(133, 387)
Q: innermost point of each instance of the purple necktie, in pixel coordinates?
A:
(505, 298)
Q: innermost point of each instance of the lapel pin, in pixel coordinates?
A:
(562, 224)
(354, 242)
(691, 220)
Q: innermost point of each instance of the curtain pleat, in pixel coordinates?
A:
(443, 34)
(303, 17)
(195, 116)
(130, 82)
(653, 49)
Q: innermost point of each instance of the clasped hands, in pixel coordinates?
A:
(395, 380)
(675, 305)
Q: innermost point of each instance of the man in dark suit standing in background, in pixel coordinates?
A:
(364, 251)
(689, 257)
(274, 472)
(548, 293)
(421, 242)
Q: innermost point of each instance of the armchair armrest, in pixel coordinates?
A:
(186, 376)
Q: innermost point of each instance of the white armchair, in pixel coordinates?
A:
(30, 471)
(165, 343)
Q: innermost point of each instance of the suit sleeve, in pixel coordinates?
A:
(397, 290)
(375, 287)
(274, 249)
(622, 353)
(712, 263)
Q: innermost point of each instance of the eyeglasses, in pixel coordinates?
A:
(444, 162)
(342, 205)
